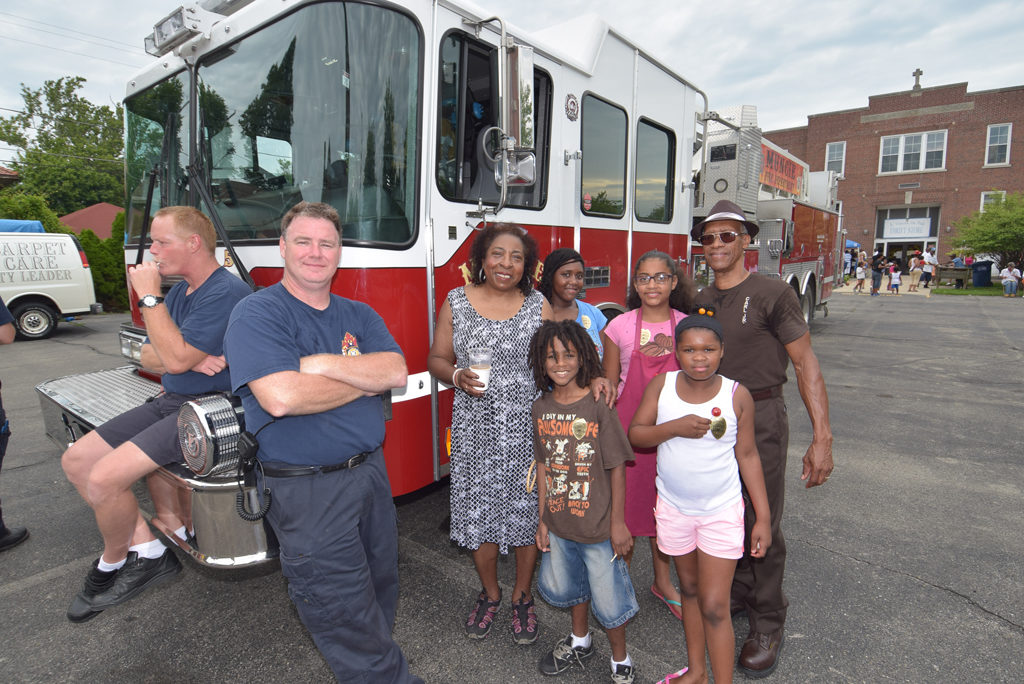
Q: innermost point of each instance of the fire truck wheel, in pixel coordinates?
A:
(807, 304)
(35, 321)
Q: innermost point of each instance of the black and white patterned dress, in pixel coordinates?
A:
(492, 445)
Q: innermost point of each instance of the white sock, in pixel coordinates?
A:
(628, 662)
(104, 566)
(581, 642)
(150, 549)
(181, 533)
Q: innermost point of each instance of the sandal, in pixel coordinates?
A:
(524, 621)
(669, 677)
(482, 616)
(675, 606)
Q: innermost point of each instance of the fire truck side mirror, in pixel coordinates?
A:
(518, 116)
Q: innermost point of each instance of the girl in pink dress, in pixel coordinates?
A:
(639, 345)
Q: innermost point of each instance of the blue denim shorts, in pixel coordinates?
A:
(573, 573)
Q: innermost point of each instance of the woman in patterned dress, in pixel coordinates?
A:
(491, 508)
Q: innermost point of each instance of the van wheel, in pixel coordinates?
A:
(35, 321)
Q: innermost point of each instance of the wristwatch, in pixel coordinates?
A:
(149, 301)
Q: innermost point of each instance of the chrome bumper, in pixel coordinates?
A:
(75, 404)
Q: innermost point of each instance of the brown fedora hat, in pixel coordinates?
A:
(724, 210)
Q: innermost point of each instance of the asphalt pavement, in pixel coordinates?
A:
(905, 567)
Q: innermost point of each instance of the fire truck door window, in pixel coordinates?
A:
(655, 152)
(319, 106)
(604, 158)
(156, 123)
(467, 113)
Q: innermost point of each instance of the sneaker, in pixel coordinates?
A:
(624, 674)
(82, 606)
(564, 655)
(136, 576)
(11, 537)
(524, 621)
(482, 616)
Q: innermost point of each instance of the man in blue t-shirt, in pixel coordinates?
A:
(9, 536)
(186, 346)
(309, 367)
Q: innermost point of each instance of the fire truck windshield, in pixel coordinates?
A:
(320, 105)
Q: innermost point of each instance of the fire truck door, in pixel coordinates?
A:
(771, 244)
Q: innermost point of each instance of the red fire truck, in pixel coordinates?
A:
(800, 240)
(419, 122)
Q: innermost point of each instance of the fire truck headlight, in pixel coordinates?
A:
(208, 430)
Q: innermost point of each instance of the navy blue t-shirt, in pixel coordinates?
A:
(270, 332)
(5, 315)
(202, 318)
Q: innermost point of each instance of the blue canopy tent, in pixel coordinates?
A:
(850, 244)
(16, 226)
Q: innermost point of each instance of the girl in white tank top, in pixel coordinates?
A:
(703, 426)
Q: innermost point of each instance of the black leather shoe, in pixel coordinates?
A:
(136, 576)
(97, 581)
(760, 654)
(12, 536)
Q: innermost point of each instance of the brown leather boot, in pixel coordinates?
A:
(760, 653)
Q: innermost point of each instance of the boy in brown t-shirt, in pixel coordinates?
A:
(581, 451)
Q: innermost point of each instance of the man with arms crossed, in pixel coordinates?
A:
(310, 366)
(185, 344)
(764, 331)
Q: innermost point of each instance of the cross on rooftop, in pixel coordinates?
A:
(917, 78)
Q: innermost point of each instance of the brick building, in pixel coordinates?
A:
(912, 163)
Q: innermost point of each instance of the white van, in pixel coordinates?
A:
(44, 277)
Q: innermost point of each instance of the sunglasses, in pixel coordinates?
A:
(727, 237)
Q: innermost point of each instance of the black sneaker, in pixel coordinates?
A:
(82, 607)
(563, 656)
(12, 536)
(137, 575)
(624, 674)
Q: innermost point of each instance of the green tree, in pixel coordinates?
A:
(70, 149)
(999, 230)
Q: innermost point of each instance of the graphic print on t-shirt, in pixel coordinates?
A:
(350, 345)
(661, 344)
(569, 442)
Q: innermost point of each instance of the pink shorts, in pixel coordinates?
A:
(719, 535)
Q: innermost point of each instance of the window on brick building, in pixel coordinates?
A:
(913, 152)
(997, 150)
(992, 197)
(835, 157)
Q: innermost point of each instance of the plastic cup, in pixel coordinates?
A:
(480, 363)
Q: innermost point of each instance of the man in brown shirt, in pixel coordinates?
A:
(764, 330)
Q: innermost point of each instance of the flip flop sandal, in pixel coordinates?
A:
(675, 606)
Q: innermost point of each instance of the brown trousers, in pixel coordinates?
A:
(757, 584)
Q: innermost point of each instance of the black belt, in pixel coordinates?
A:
(769, 393)
(299, 471)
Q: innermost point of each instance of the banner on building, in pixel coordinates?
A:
(906, 228)
(781, 172)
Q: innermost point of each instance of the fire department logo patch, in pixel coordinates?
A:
(572, 107)
(350, 345)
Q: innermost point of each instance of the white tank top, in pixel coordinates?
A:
(698, 476)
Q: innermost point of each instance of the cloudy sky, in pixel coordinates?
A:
(791, 58)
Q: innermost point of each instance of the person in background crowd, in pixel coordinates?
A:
(1010, 277)
(764, 329)
(928, 269)
(915, 272)
(9, 536)
(877, 271)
